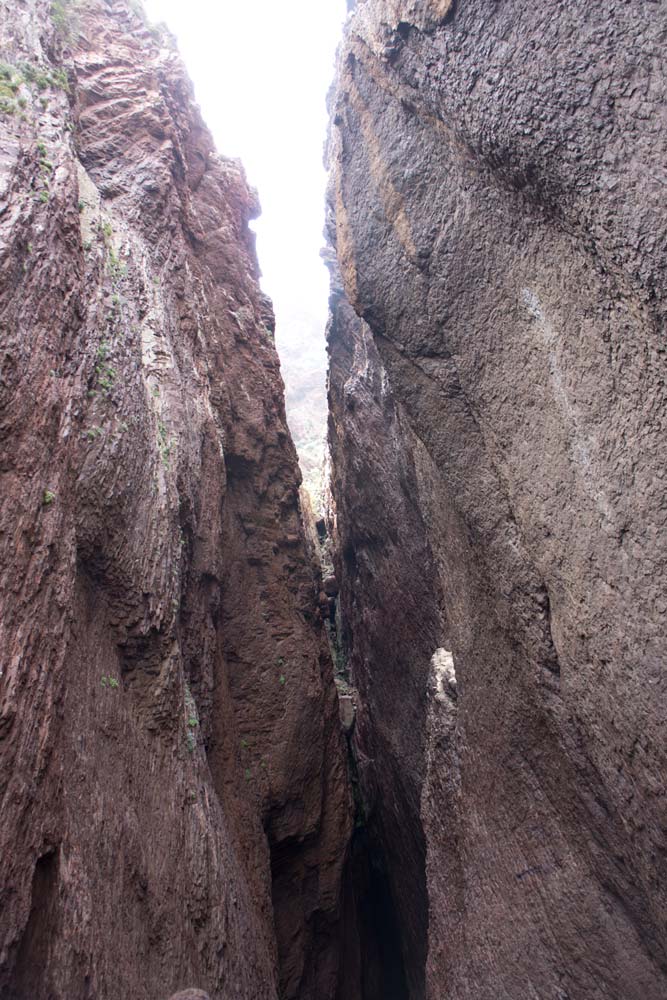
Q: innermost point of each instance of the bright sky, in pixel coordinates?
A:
(261, 72)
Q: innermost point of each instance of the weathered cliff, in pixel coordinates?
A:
(390, 613)
(497, 209)
(175, 809)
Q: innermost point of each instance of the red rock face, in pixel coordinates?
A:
(175, 808)
(498, 212)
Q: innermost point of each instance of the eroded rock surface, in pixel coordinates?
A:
(175, 807)
(190, 995)
(390, 611)
(498, 212)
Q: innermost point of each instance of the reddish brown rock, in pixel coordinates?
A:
(172, 775)
(498, 209)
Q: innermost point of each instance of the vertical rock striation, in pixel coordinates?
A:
(175, 808)
(390, 604)
(498, 214)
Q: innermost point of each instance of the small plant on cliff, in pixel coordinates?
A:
(117, 271)
(38, 76)
(110, 682)
(10, 81)
(164, 443)
(60, 80)
(48, 498)
(106, 374)
(45, 170)
(283, 680)
(65, 18)
(39, 80)
(7, 75)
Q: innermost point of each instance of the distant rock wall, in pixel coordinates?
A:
(175, 808)
(497, 206)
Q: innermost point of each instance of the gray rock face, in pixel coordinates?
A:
(389, 602)
(190, 995)
(498, 210)
(174, 806)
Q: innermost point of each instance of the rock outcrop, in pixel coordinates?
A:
(175, 807)
(498, 213)
(390, 615)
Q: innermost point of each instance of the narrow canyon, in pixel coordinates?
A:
(410, 747)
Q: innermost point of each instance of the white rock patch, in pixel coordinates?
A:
(444, 674)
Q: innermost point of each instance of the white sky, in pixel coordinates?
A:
(261, 71)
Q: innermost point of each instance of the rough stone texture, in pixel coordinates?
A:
(190, 995)
(172, 771)
(390, 610)
(498, 210)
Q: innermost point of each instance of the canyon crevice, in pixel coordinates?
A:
(415, 751)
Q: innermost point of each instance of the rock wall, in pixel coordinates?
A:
(390, 609)
(175, 808)
(497, 209)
